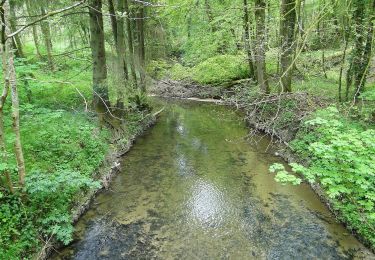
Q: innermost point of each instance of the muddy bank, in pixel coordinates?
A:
(121, 143)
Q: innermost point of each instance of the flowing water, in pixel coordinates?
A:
(193, 187)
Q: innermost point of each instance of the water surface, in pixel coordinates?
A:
(194, 188)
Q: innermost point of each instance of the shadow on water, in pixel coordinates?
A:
(193, 188)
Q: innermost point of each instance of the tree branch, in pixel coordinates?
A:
(52, 13)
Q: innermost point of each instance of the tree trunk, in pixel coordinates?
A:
(287, 33)
(247, 39)
(130, 44)
(99, 66)
(121, 50)
(260, 57)
(13, 25)
(363, 66)
(346, 38)
(359, 48)
(10, 81)
(111, 9)
(141, 46)
(3, 97)
(324, 64)
(34, 29)
(47, 39)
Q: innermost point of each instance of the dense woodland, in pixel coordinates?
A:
(76, 75)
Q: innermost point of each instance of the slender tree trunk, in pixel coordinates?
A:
(10, 81)
(13, 25)
(346, 35)
(111, 9)
(121, 50)
(260, 56)
(86, 34)
(324, 64)
(130, 44)
(247, 39)
(141, 45)
(36, 41)
(100, 86)
(47, 39)
(3, 97)
(287, 33)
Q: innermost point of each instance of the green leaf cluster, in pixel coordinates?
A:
(341, 158)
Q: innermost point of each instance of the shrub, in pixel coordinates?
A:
(179, 72)
(220, 69)
(341, 159)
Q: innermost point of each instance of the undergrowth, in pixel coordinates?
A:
(339, 155)
(63, 148)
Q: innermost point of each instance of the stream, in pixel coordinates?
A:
(195, 187)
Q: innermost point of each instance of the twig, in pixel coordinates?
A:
(86, 105)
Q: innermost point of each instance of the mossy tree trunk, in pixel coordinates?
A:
(121, 53)
(361, 55)
(129, 32)
(99, 65)
(287, 33)
(141, 45)
(246, 21)
(260, 51)
(46, 30)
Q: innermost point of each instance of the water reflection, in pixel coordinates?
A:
(184, 169)
(207, 204)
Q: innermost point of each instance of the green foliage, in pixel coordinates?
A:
(341, 159)
(283, 176)
(61, 150)
(215, 70)
(51, 196)
(17, 233)
(157, 69)
(57, 139)
(197, 37)
(179, 72)
(45, 211)
(139, 102)
(219, 69)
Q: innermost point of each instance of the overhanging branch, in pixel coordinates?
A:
(49, 14)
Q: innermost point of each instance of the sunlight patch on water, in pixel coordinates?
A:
(207, 204)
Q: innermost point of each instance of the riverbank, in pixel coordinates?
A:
(70, 158)
(283, 117)
(121, 142)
